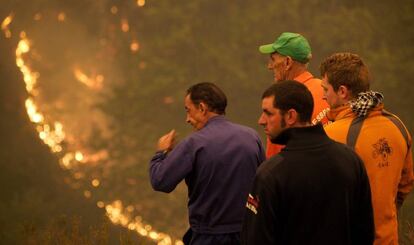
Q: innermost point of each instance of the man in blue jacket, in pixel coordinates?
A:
(218, 162)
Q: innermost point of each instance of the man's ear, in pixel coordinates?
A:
(289, 62)
(291, 117)
(344, 93)
(203, 107)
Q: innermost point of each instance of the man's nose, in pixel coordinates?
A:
(261, 120)
(270, 65)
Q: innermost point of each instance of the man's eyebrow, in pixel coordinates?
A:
(266, 111)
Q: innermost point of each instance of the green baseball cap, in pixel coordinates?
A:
(289, 44)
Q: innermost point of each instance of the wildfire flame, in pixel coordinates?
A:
(118, 215)
(53, 135)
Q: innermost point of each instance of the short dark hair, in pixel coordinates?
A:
(291, 95)
(210, 94)
(346, 69)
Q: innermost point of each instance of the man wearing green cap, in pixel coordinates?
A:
(289, 58)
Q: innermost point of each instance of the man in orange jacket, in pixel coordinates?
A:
(377, 136)
(289, 58)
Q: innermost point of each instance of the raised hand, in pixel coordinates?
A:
(166, 142)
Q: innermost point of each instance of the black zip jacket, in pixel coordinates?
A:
(316, 191)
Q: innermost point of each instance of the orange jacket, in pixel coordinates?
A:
(320, 108)
(384, 144)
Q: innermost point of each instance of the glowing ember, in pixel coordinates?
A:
(96, 157)
(141, 3)
(130, 208)
(51, 136)
(87, 194)
(134, 46)
(5, 25)
(79, 156)
(114, 9)
(79, 175)
(66, 161)
(100, 204)
(29, 77)
(124, 25)
(34, 115)
(95, 183)
(142, 65)
(93, 83)
(61, 17)
(38, 16)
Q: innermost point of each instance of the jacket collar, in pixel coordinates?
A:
(303, 77)
(302, 137)
(345, 111)
(340, 112)
(213, 119)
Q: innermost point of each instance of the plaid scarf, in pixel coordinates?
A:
(365, 102)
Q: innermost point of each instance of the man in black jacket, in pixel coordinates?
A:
(316, 191)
